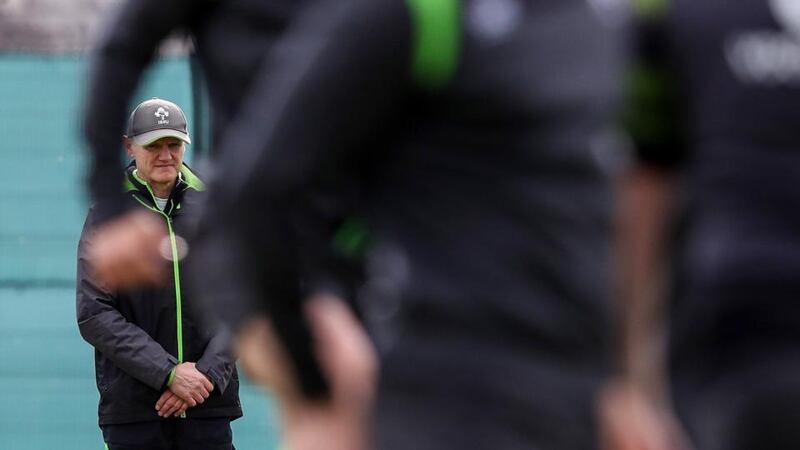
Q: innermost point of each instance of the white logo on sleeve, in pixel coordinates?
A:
(162, 115)
(769, 57)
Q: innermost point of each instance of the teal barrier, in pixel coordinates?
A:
(46, 370)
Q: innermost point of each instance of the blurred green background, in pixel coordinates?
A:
(47, 382)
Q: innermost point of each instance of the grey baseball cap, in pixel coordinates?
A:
(155, 119)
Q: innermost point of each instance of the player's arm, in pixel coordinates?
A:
(105, 328)
(126, 45)
(653, 118)
(636, 413)
(339, 72)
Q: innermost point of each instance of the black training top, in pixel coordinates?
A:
(736, 80)
(478, 136)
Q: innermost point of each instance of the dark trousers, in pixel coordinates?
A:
(170, 434)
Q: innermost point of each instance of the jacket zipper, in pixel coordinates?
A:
(176, 275)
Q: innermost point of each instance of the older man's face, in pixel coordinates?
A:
(159, 162)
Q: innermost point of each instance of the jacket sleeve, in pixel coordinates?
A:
(126, 45)
(103, 326)
(218, 361)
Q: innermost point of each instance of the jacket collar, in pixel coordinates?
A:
(186, 180)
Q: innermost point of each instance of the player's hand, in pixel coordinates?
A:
(170, 404)
(346, 358)
(630, 421)
(125, 251)
(190, 384)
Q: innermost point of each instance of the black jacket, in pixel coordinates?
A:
(136, 333)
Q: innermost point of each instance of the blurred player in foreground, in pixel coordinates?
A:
(720, 80)
(167, 379)
(479, 135)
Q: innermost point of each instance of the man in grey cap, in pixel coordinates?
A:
(153, 126)
(165, 373)
(231, 42)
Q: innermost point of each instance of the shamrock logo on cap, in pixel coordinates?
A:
(162, 115)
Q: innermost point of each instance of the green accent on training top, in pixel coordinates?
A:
(650, 8)
(352, 238)
(178, 299)
(437, 41)
(652, 111)
(142, 181)
(192, 180)
(128, 186)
